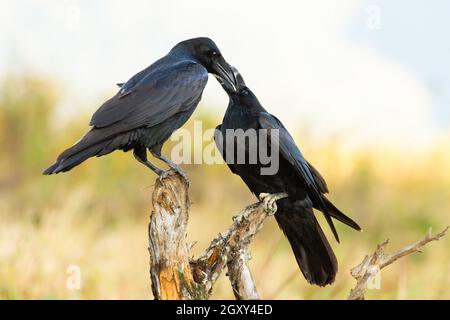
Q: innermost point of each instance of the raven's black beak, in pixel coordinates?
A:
(225, 74)
(240, 83)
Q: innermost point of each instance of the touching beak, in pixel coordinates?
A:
(224, 71)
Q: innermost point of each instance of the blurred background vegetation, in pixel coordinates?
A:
(96, 216)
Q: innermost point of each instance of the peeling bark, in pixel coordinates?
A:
(174, 276)
(170, 271)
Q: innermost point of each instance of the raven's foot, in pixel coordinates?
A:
(165, 174)
(173, 171)
(269, 201)
(181, 172)
(173, 166)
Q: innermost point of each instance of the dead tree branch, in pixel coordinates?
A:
(372, 265)
(173, 274)
(231, 249)
(170, 272)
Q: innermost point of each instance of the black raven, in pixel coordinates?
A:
(150, 106)
(295, 176)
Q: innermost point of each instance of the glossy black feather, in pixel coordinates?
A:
(155, 97)
(151, 105)
(290, 152)
(303, 183)
(311, 249)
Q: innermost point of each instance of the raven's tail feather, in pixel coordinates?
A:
(339, 215)
(309, 244)
(72, 159)
(97, 142)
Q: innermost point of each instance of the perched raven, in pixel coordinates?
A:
(296, 177)
(150, 106)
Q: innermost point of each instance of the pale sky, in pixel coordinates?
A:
(375, 71)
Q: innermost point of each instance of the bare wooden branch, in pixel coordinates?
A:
(170, 271)
(241, 279)
(372, 265)
(173, 274)
(231, 249)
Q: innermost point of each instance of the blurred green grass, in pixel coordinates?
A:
(96, 216)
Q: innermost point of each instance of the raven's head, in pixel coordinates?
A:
(206, 52)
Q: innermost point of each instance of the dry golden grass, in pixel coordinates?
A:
(96, 216)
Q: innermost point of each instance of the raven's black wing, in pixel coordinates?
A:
(153, 96)
(320, 181)
(219, 136)
(290, 152)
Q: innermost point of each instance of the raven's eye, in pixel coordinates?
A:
(244, 92)
(214, 53)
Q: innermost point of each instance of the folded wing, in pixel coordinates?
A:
(150, 98)
(290, 152)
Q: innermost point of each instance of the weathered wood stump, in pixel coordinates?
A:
(174, 276)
